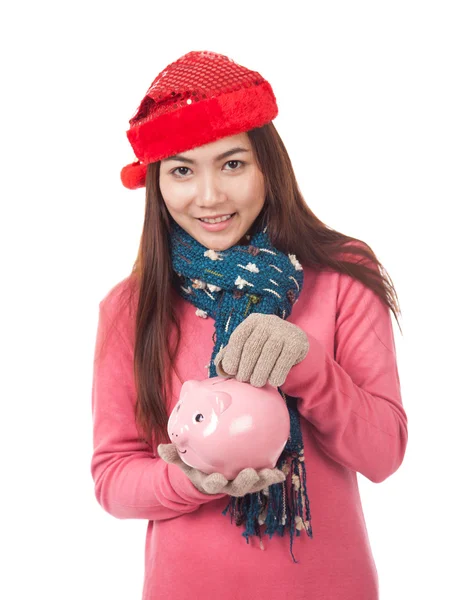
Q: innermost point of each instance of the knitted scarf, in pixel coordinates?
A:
(227, 286)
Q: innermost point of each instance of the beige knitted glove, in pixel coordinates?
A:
(262, 348)
(248, 481)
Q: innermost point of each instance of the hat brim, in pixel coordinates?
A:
(196, 124)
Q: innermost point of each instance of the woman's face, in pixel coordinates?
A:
(216, 179)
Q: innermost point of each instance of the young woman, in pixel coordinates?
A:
(236, 276)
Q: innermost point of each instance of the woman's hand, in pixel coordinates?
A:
(262, 348)
(248, 481)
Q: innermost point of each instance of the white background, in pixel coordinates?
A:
(368, 96)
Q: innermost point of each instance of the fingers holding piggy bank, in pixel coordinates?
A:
(248, 481)
(224, 426)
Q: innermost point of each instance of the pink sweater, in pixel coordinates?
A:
(353, 421)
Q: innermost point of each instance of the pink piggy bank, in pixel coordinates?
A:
(223, 425)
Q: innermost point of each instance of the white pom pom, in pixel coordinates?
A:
(295, 262)
(299, 523)
(252, 267)
(240, 282)
(295, 480)
(213, 255)
(198, 284)
(213, 288)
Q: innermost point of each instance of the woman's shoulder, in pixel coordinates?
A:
(330, 282)
(119, 294)
(119, 304)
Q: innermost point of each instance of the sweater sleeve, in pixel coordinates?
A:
(354, 401)
(130, 482)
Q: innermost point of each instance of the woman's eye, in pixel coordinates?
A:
(233, 161)
(177, 169)
(180, 170)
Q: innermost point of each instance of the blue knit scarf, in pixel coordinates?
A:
(227, 286)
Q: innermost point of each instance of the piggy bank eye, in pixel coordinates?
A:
(199, 417)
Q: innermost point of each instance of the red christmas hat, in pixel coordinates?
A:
(201, 97)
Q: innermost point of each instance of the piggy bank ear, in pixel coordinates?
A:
(220, 401)
(189, 386)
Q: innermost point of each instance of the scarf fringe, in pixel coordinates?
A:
(283, 505)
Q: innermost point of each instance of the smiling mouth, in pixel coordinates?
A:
(229, 215)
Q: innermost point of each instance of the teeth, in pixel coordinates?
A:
(219, 220)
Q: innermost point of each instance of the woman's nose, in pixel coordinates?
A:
(209, 191)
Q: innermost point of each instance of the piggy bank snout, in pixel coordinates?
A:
(176, 429)
(178, 434)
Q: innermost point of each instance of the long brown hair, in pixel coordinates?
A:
(293, 228)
